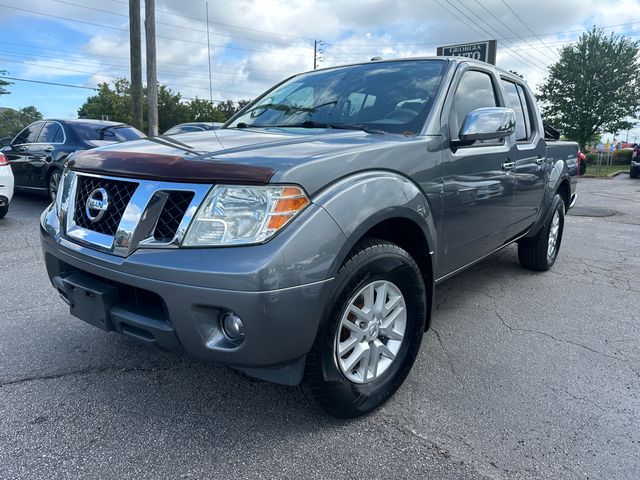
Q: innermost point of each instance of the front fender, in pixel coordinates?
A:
(359, 202)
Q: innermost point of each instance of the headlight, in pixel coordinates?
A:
(238, 215)
(60, 193)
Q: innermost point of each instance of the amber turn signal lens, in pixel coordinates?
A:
(290, 201)
(277, 221)
(290, 204)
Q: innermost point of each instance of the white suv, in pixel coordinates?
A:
(6, 185)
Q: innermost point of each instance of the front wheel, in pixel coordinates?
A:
(540, 252)
(54, 184)
(371, 332)
(3, 210)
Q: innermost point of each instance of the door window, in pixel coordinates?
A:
(191, 128)
(51, 133)
(527, 111)
(514, 102)
(475, 90)
(28, 135)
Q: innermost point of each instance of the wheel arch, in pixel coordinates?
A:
(388, 207)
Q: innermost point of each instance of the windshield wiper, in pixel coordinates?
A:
(337, 126)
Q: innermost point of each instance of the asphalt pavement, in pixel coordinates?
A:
(523, 375)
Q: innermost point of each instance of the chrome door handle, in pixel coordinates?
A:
(508, 165)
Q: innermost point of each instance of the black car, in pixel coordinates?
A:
(634, 171)
(193, 127)
(37, 154)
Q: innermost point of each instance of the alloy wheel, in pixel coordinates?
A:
(371, 331)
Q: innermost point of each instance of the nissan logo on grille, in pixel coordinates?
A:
(97, 204)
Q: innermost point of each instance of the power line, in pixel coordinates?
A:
(120, 57)
(80, 86)
(87, 63)
(468, 21)
(530, 58)
(158, 36)
(114, 77)
(510, 29)
(526, 26)
(172, 25)
(49, 83)
(434, 44)
(264, 32)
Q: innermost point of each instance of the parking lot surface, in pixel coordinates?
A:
(523, 375)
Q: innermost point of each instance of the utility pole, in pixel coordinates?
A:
(152, 81)
(136, 64)
(315, 54)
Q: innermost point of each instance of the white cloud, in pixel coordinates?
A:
(246, 60)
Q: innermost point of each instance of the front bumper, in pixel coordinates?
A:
(180, 309)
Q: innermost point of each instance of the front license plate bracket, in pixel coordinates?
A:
(89, 299)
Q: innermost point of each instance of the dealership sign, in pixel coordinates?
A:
(483, 51)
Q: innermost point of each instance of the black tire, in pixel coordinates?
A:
(633, 173)
(324, 384)
(3, 210)
(54, 174)
(533, 252)
(583, 167)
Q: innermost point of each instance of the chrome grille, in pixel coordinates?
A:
(141, 213)
(120, 193)
(172, 214)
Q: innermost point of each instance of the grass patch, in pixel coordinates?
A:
(605, 170)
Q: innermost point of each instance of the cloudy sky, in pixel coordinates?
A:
(254, 44)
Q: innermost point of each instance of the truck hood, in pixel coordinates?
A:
(227, 155)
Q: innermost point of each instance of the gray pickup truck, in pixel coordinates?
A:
(301, 243)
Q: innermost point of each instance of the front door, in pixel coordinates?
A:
(19, 154)
(479, 184)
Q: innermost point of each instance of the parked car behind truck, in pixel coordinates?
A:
(302, 242)
(37, 154)
(6, 185)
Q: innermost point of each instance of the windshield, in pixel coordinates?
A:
(393, 97)
(112, 133)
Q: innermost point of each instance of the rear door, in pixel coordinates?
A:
(19, 152)
(529, 154)
(478, 190)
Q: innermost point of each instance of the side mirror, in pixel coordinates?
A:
(5, 141)
(487, 124)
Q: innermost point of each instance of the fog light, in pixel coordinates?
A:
(232, 327)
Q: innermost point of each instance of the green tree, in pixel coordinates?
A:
(593, 87)
(3, 84)
(12, 121)
(229, 108)
(171, 109)
(204, 111)
(112, 103)
(243, 103)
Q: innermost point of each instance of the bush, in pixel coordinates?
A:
(618, 157)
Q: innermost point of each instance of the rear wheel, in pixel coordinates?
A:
(3, 210)
(633, 173)
(54, 184)
(371, 333)
(540, 252)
